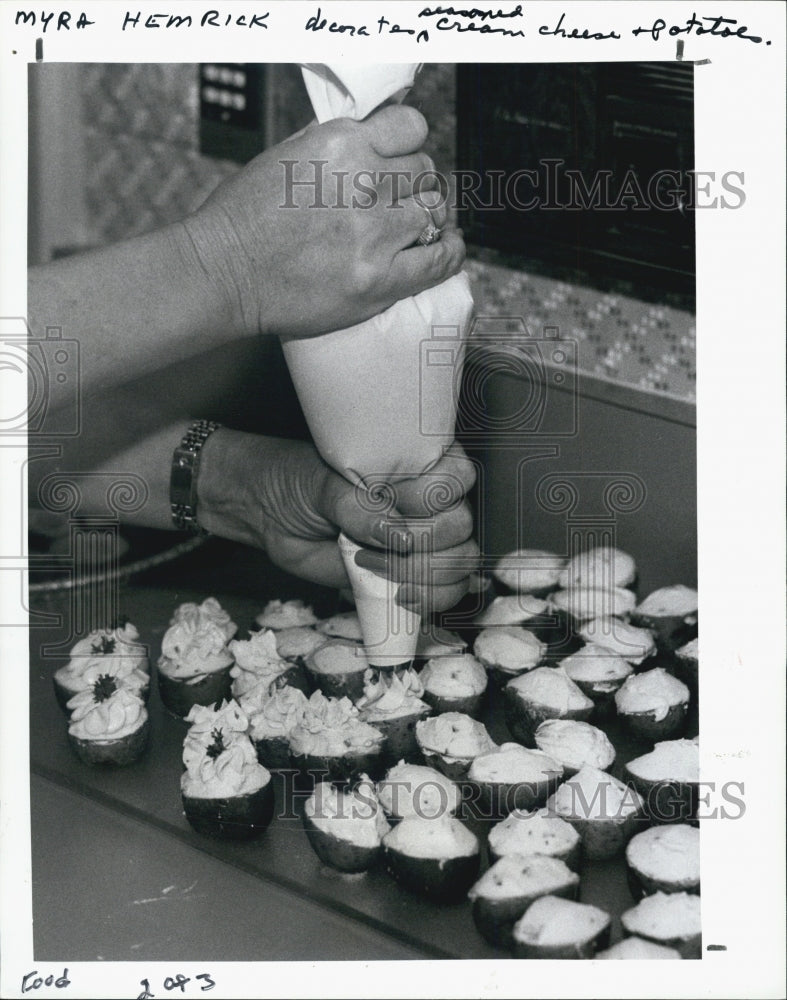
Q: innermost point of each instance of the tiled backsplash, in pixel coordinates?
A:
(143, 168)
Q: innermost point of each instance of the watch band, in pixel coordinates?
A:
(183, 476)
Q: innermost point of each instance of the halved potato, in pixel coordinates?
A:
(558, 928)
(604, 812)
(540, 694)
(439, 858)
(669, 919)
(505, 891)
(238, 817)
(668, 779)
(345, 828)
(664, 859)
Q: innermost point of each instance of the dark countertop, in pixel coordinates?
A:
(114, 843)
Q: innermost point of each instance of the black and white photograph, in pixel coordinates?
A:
(377, 433)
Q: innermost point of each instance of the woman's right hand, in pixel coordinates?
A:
(317, 233)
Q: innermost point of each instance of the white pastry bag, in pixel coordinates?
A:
(380, 397)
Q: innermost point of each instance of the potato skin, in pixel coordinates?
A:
(178, 697)
(647, 727)
(119, 753)
(642, 885)
(524, 718)
(667, 801)
(239, 817)
(498, 799)
(446, 880)
(495, 918)
(471, 705)
(312, 769)
(688, 947)
(583, 949)
(337, 853)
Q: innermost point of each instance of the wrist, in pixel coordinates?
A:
(212, 250)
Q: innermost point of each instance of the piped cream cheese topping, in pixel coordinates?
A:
(330, 727)
(391, 694)
(584, 603)
(553, 921)
(524, 875)
(509, 648)
(257, 660)
(638, 948)
(221, 763)
(342, 626)
(454, 677)
(527, 570)
(575, 744)
(353, 816)
(286, 614)
(598, 666)
(512, 609)
(440, 838)
(116, 651)
(513, 764)
(105, 712)
(552, 688)
(203, 719)
(298, 641)
(453, 734)
(691, 651)
(676, 601)
(439, 642)
(341, 656)
(668, 853)
(415, 790)
(632, 643)
(195, 644)
(593, 794)
(121, 669)
(279, 714)
(599, 567)
(653, 692)
(209, 611)
(670, 760)
(523, 832)
(665, 916)
(120, 643)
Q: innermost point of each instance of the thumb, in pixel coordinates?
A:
(368, 515)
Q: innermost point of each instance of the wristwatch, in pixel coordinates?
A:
(183, 476)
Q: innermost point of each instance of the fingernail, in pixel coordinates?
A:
(402, 541)
(377, 562)
(380, 531)
(408, 596)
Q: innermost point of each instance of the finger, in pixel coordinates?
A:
(396, 130)
(422, 568)
(424, 600)
(367, 517)
(435, 204)
(317, 562)
(417, 268)
(440, 489)
(417, 218)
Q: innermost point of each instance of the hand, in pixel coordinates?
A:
(280, 496)
(293, 259)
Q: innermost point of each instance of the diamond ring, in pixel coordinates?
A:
(430, 235)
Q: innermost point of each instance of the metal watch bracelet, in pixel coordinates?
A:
(183, 475)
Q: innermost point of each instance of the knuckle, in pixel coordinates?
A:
(464, 522)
